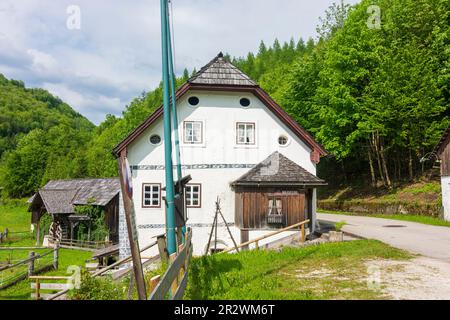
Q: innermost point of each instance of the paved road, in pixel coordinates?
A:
(429, 241)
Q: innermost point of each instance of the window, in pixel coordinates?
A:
(151, 195)
(193, 132)
(193, 195)
(193, 101)
(244, 102)
(245, 133)
(283, 140)
(155, 139)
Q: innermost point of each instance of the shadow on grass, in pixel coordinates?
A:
(207, 275)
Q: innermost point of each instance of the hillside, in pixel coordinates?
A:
(23, 109)
(40, 138)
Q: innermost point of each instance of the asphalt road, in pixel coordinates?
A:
(429, 241)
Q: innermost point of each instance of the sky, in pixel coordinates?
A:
(97, 55)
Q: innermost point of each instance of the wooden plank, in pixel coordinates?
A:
(49, 278)
(172, 272)
(52, 286)
(183, 283)
(43, 296)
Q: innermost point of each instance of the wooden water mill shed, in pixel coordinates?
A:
(59, 198)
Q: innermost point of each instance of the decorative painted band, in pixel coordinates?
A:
(196, 166)
(197, 225)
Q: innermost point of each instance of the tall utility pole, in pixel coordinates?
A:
(170, 205)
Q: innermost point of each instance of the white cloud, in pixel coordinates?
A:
(116, 54)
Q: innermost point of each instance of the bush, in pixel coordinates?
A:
(98, 289)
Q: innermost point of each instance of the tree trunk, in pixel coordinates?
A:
(386, 172)
(410, 166)
(372, 169)
(377, 152)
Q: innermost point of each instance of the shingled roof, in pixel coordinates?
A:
(220, 72)
(277, 170)
(439, 148)
(60, 196)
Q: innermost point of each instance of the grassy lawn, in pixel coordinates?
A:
(327, 271)
(67, 257)
(404, 217)
(16, 218)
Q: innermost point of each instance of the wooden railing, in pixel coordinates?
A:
(81, 244)
(26, 268)
(174, 281)
(256, 241)
(104, 270)
(38, 286)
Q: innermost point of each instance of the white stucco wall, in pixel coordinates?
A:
(445, 185)
(219, 113)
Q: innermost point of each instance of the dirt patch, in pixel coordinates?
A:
(417, 279)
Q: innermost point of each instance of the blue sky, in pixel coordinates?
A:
(115, 55)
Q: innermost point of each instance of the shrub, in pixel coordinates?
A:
(98, 289)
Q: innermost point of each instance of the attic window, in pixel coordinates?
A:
(283, 140)
(193, 101)
(245, 102)
(155, 139)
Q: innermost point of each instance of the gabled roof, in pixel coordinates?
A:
(277, 170)
(58, 201)
(220, 75)
(439, 148)
(220, 72)
(60, 196)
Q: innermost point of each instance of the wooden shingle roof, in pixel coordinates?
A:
(277, 170)
(220, 72)
(60, 196)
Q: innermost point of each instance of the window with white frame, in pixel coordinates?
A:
(151, 195)
(245, 133)
(193, 132)
(193, 195)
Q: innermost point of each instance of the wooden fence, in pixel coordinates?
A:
(14, 272)
(40, 285)
(256, 241)
(174, 281)
(6, 233)
(81, 244)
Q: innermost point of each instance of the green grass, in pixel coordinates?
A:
(67, 257)
(403, 217)
(15, 217)
(288, 274)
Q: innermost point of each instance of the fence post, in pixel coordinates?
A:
(31, 263)
(6, 233)
(55, 256)
(1, 237)
(303, 233)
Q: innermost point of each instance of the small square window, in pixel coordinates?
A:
(245, 133)
(193, 132)
(193, 195)
(151, 195)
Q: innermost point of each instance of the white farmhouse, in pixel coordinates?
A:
(442, 153)
(238, 145)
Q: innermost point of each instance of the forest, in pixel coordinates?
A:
(376, 96)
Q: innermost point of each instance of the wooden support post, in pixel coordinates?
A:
(38, 232)
(154, 282)
(31, 263)
(38, 289)
(244, 238)
(55, 256)
(257, 245)
(302, 239)
(161, 240)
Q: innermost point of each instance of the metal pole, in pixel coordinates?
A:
(170, 212)
(174, 103)
(174, 114)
